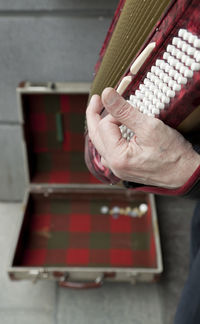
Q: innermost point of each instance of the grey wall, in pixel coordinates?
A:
(46, 40)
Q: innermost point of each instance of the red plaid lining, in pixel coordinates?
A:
(42, 142)
(74, 233)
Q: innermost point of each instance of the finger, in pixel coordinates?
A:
(111, 136)
(121, 110)
(93, 119)
(93, 113)
(111, 119)
(105, 114)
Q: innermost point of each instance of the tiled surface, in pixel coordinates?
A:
(24, 302)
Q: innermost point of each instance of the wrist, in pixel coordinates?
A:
(188, 163)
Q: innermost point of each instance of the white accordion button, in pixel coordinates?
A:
(142, 88)
(166, 55)
(179, 65)
(179, 54)
(190, 50)
(192, 38)
(175, 41)
(151, 107)
(146, 82)
(147, 103)
(158, 62)
(165, 99)
(139, 94)
(162, 75)
(155, 111)
(188, 73)
(147, 93)
(170, 93)
(156, 92)
(175, 51)
(182, 32)
(197, 56)
(184, 58)
(132, 98)
(184, 46)
(180, 43)
(162, 65)
(182, 69)
(170, 60)
(157, 81)
(157, 71)
(149, 75)
(166, 79)
(177, 75)
(167, 67)
(189, 61)
(160, 105)
(176, 87)
(152, 87)
(185, 35)
(171, 83)
(197, 43)
(182, 80)
(170, 48)
(195, 66)
(172, 73)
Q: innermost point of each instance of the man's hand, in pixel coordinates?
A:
(156, 155)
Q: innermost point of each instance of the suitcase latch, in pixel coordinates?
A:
(39, 274)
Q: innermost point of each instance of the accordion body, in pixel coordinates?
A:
(168, 79)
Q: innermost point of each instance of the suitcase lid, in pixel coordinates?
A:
(52, 117)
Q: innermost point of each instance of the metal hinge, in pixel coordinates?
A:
(39, 274)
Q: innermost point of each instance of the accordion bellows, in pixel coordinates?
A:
(135, 22)
(135, 25)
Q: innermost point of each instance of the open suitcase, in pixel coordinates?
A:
(76, 230)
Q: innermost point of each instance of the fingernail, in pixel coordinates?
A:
(110, 97)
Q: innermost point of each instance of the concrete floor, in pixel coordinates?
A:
(44, 302)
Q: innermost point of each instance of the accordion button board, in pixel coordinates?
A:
(166, 77)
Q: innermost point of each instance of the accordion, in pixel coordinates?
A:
(151, 55)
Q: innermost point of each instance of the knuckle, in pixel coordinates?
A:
(155, 123)
(123, 110)
(153, 126)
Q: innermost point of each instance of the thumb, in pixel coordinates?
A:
(121, 110)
